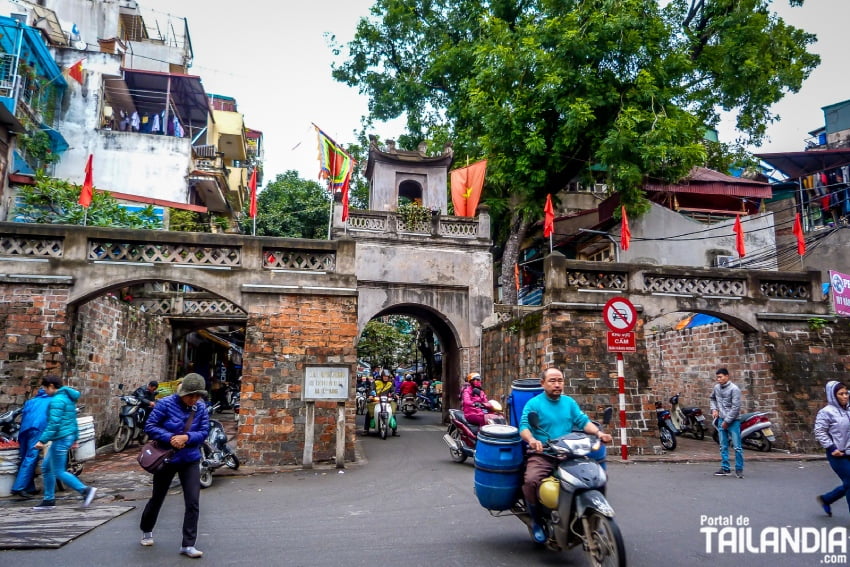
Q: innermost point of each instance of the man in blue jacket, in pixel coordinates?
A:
(33, 422)
(61, 432)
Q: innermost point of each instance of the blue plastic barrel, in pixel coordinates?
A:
(498, 466)
(521, 391)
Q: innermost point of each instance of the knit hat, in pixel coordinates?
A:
(192, 384)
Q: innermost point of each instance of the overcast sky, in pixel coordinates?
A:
(277, 66)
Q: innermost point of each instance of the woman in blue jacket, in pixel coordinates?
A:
(167, 425)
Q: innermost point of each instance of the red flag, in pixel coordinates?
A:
(798, 232)
(75, 71)
(252, 185)
(739, 238)
(625, 233)
(86, 191)
(345, 187)
(467, 183)
(548, 218)
(516, 276)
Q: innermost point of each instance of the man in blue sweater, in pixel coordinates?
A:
(558, 415)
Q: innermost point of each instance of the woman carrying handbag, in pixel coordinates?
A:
(181, 421)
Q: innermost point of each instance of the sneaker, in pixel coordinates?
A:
(722, 472)
(739, 474)
(45, 505)
(147, 539)
(88, 496)
(22, 494)
(191, 552)
(827, 509)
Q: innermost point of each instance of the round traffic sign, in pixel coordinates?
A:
(619, 314)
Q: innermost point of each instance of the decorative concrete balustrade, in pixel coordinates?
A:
(379, 224)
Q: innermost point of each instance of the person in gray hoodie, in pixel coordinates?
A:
(725, 409)
(832, 431)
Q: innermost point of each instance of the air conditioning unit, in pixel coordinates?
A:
(600, 188)
(724, 261)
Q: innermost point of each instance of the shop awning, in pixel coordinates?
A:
(801, 164)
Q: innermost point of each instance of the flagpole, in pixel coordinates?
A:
(331, 215)
(85, 215)
(550, 244)
(254, 229)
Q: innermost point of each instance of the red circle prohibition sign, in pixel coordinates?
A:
(619, 315)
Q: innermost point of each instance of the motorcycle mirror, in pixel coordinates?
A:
(607, 415)
(533, 419)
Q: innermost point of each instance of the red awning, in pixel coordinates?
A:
(801, 164)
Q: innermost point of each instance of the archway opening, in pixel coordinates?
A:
(409, 192)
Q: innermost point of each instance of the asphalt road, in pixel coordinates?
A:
(408, 504)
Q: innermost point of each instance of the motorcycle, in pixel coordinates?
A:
(10, 424)
(687, 420)
(572, 504)
(360, 401)
(382, 417)
(462, 435)
(756, 431)
(666, 429)
(131, 426)
(214, 452)
(429, 403)
(408, 405)
(233, 397)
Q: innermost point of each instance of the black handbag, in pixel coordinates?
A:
(154, 456)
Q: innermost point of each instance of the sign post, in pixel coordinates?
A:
(620, 317)
(325, 383)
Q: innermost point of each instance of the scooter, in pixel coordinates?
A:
(361, 401)
(382, 417)
(10, 425)
(572, 507)
(462, 435)
(131, 423)
(215, 453)
(667, 431)
(687, 420)
(430, 403)
(408, 405)
(756, 431)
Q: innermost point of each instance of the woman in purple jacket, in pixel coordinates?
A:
(167, 424)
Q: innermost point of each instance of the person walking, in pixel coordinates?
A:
(832, 431)
(181, 421)
(558, 414)
(33, 422)
(725, 409)
(61, 431)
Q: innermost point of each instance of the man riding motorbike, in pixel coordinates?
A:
(384, 386)
(473, 400)
(408, 387)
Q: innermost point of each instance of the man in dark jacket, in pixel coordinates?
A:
(147, 394)
(61, 432)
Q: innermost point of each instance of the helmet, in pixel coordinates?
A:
(473, 376)
(408, 376)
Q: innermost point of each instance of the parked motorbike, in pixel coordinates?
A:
(382, 418)
(666, 429)
(462, 435)
(233, 397)
(572, 504)
(214, 452)
(687, 420)
(10, 425)
(131, 423)
(408, 405)
(430, 403)
(361, 401)
(756, 431)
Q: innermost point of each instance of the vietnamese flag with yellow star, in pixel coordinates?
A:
(467, 183)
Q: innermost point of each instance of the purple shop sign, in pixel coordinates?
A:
(840, 286)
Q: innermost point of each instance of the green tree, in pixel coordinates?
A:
(545, 89)
(382, 343)
(291, 207)
(55, 201)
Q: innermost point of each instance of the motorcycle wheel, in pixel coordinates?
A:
(383, 428)
(607, 548)
(122, 438)
(699, 431)
(232, 461)
(361, 407)
(206, 477)
(759, 442)
(668, 438)
(458, 455)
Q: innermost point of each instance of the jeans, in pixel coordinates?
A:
(29, 459)
(733, 430)
(190, 480)
(54, 467)
(841, 466)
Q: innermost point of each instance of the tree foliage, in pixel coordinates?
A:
(55, 201)
(291, 207)
(386, 343)
(545, 89)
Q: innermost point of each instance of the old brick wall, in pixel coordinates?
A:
(283, 334)
(114, 343)
(33, 318)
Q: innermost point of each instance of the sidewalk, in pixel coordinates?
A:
(689, 450)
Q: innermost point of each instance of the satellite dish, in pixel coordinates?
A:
(80, 44)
